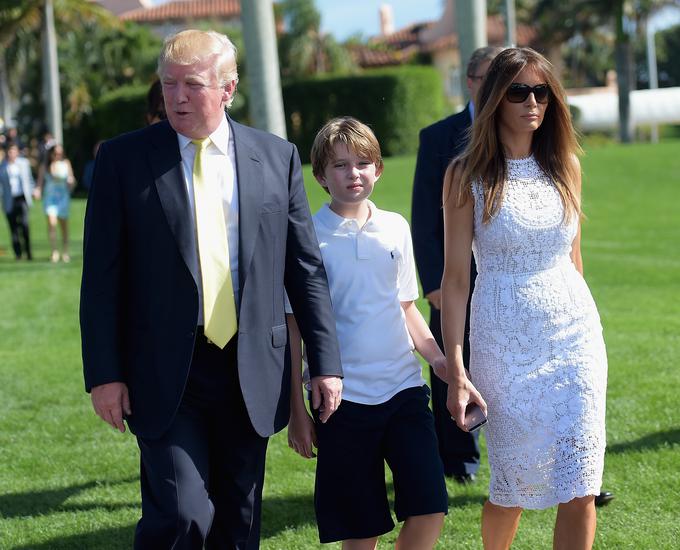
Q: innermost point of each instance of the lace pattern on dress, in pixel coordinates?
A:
(537, 353)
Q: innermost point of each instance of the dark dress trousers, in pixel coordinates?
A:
(201, 415)
(16, 207)
(439, 144)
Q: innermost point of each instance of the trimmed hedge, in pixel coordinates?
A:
(120, 111)
(396, 103)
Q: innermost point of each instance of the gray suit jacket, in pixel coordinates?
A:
(27, 183)
(139, 298)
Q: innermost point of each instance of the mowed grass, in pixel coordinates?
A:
(67, 481)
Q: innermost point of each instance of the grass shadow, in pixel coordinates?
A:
(38, 503)
(648, 442)
(281, 513)
(466, 500)
(114, 538)
(37, 265)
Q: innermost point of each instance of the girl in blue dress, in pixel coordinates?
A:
(55, 184)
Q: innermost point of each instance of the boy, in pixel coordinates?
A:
(384, 414)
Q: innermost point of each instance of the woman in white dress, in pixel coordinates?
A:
(537, 361)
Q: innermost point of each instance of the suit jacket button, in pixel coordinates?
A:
(190, 334)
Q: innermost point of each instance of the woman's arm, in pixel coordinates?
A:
(576, 244)
(70, 179)
(301, 434)
(576, 250)
(458, 226)
(40, 182)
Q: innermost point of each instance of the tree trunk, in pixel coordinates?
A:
(265, 98)
(624, 73)
(50, 64)
(472, 33)
(5, 99)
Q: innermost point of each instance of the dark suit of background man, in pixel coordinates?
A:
(439, 143)
(201, 402)
(16, 189)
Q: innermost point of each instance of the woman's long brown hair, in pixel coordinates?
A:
(553, 145)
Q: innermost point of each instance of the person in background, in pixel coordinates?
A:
(16, 186)
(155, 108)
(55, 184)
(12, 136)
(44, 145)
(537, 354)
(439, 144)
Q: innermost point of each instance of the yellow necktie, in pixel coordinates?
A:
(219, 308)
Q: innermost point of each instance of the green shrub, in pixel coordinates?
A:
(120, 111)
(396, 103)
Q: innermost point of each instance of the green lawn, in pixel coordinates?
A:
(69, 482)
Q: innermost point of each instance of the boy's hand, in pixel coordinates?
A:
(326, 395)
(301, 434)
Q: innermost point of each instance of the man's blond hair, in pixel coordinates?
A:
(193, 46)
(349, 131)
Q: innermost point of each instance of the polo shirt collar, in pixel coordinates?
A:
(219, 138)
(339, 224)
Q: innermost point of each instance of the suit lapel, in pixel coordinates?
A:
(166, 164)
(250, 193)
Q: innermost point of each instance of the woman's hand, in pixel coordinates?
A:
(461, 393)
(301, 434)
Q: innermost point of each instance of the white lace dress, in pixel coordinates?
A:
(537, 353)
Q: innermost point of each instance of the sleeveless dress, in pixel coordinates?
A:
(57, 197)
(537, 353)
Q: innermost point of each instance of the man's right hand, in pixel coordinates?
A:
(326, 395)
(110, 401)
(435, 298)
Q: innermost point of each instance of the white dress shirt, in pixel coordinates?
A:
(14, 174)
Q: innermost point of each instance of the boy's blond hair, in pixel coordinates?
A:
(358, 137)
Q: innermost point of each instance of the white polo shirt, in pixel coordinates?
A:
(370, 271)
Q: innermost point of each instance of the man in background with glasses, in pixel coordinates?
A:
(439, 144)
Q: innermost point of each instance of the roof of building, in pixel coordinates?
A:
(185, 9)
(403, 44)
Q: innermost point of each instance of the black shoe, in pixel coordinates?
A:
(604, 498)
(464, 479)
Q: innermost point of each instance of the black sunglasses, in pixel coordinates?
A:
(517, 93)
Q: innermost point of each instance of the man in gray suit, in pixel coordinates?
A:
(194, 227)
(16, 187)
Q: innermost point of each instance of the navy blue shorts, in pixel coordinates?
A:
(350, 496)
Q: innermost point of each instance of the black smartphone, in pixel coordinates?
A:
(474, 417)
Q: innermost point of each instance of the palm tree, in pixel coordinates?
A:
(21, 17)
(266, 102)
(559, 20)
(304, 49)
